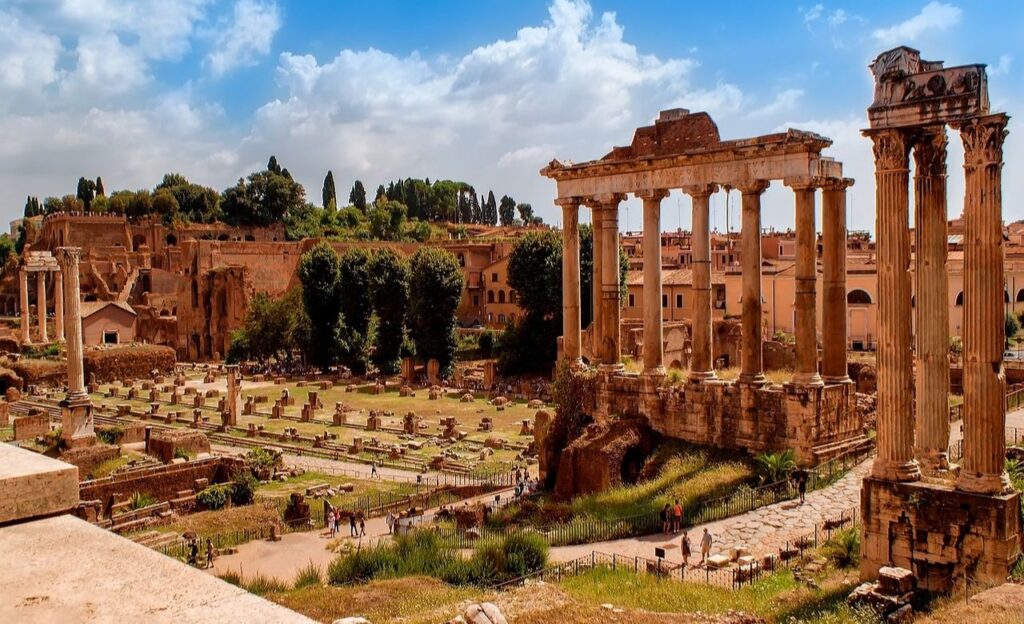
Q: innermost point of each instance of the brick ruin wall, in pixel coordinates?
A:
(160, 482)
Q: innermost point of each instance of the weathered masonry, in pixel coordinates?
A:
(815, 412)
(942, 522)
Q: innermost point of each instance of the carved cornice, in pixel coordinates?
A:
(930, 153)
(983, 140)
(700, 190)
(891, 148)
(604, 201)
(652, 194)
(752, 187)
(568, 202)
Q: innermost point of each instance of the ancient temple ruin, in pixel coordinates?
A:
(940, 521)
(814, 413)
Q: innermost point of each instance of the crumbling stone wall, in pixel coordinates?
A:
(161, 482)
(129, 361)
(163, 443)
(597, 460)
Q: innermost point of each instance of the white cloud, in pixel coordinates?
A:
(245, 37)
(813, 14)
(935, 16)
(1001, 68)
(783, 102)
(29, 56)
(531, 154)
(837, 18)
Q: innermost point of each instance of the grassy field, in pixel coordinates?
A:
(225, 521)
(277, 491)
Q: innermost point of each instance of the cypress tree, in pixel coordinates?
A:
(329, 195)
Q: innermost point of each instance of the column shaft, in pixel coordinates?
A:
(983, 466)
(611, 352)
(931, 303)
(751, 359)
(41, 305)
(654, 351)
(597, 254)
(69, 258)
(701, 360)
(23, 304)
(571, 281)
(895, 459)
(805, 295)
(833, 261)
(58, 305)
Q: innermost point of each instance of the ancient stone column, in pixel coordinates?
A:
(41, 305)
(570, 279)
(895, 459)
(654, 350)
(23, 304)
(805, 285)
(597, 255)
(610, 296)
(751, 358)
(58, 305)
(931, 309)
(833, 268)
(701, 360)
(983, 469)
(77, 426)
(234, 396)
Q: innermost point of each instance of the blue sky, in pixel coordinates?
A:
(486, 92)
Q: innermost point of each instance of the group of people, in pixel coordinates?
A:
(687, 550)
(333, 517)
(672, 518)
(672, 522)
(193, 553)
(524, 484)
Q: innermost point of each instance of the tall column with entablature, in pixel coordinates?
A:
(596, 255)
(701, 361)
(983, 469)
(610, 345)
(570, 279)
(41, 305)
(931, 305)
(654, 350)
(895, 461)
(833, 269)
(805, 295)
(751, 359)
(58, 304)
(23, 304)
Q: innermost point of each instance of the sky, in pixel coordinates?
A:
(485, 92)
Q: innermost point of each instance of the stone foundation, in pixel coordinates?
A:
(817, 422)
(939, 533)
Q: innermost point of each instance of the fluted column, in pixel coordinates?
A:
(931, 309)
(41, 305)
(23, 304)
(805, 285)
(68, 257)
(895, 459)
(610, 295)
(982, 468)
(654, 350)
(833, 268)
(570, 279)
(58, 305)
(597, 254)
(751, 359)
(701, 361)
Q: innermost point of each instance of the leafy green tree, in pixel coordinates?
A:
(270, 330)
(329, 195)
(198, 203)
(356, 306)
(1011, 327)
(535, 272)
(357, 196)
(165, 205)
(436, 284)
(264, 198)
(389, 290)
(7, 250)
(525, 213)
(507, 210)
(586, 275)
(86, 192)
(319, 271)
(52, 205)
(387, 220)
(306, 222)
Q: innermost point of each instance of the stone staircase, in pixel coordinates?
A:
(825, 452)
(155, 539)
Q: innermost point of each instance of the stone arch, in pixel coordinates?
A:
(172, 240)
(501, 296)
(250, 238)
(490, 296)
(1020, 296)
(462, 260)
(858, 296)
(959, 299)
(223, 237)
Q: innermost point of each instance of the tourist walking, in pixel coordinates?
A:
(373, 471)
(677, 517)
(684, 547)
(800, 478)
(666, 523)
(391, 522)
(362, 526)
(705, 546)
(209, 553)
(352, 525)
(193, 553)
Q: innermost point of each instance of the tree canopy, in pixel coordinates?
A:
(436, 284)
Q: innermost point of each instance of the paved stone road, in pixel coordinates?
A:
(762, 531)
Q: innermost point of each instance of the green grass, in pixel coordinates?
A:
(372, 488)
(687, 474)
(778, 597)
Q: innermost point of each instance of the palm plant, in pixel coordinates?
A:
(775, 466)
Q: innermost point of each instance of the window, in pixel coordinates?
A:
(960, 298)
(631, 302)
(476, 300)
(501, 296)
(501, 318)
(462, 260)
(512, 296)
(679, 300)
(494, 277)
(858, 296)
(110, 337)
(1020, 295)
(490, 296)
(664, 301)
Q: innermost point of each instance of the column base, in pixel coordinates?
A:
(701, 376)
(611, 368)
(657, 371)
(752, 379)
(807, 379)
(933, 462)
(840, 379)
(888, 470)
(981, 483)
(574, 363)
(77, 427)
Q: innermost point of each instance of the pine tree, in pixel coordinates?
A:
(492, 209)
(357, 197)
(477, 211)
(330, 198)
(99, 186)
(85, 192)
(380, 193)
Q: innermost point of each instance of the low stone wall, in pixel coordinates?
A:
(41, 372)
(31, 427)
(161, 482)
(131, 361)
(163, 443)
(87, 458)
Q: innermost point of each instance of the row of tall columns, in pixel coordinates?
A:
(833, 269)
(68, 258)
(931, 307)
(907, 441)
(611, 352)
(58, 305)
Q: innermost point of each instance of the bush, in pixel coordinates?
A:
(214, 497)
(776, 466)
(180, 453)
(526, 552)
(109, 435)
(139, 500)
(309, 576)
(243, 488)
(486, 343)
(843, 549)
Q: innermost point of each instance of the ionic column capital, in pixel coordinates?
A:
(752, 187)
(836, 184)
(891, 148)
(700, 190)
(569, 202)
(652, 194)
(983, 140)
(803, 183)
(604, 201)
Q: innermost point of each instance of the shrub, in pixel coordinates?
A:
(843, 549)
(262, 585)
(260, 459)
(214, 497)
(775, 466)
(243, 488)
(139, 500)
(109, 435)
(180, 453)
(526, 552)
(309, 576)
(231, 577)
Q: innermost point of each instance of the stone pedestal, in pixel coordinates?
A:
(938, 533)
(77, 426)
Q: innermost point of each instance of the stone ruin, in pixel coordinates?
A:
(339, 418)
(373, 421)
(890, 597)
(410, 423)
